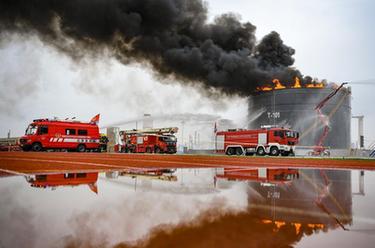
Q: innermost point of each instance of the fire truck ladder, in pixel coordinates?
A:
(319, 149)
(160, 131)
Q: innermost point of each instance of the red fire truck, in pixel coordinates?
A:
(267, 140)
(153, 140)
(263, 175)
(64, 179)
(54, 134)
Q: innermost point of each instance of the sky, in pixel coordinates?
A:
(333, 40)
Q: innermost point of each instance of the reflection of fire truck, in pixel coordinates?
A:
(264, 175)
(65, 179)
(44, 134)
(267, 140)
(153, 140)
(159, 174)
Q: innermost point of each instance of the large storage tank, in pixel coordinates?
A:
(294, 108)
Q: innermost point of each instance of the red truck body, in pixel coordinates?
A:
(66, 179)
(272, 141)
(263, 175)
(149, 141)
(44, 134)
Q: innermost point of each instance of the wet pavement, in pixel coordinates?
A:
(189, 207)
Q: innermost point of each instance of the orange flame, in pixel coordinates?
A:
(279, 224)
(317, 226)
(297, 83)
(297, 226)
(264, 88)
(315, 85)
(278, 85)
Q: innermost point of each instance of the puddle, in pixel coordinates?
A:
(211, 207)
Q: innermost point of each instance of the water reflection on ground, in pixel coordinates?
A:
(215, 207)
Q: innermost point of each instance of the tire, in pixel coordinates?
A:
(81, 148)
(36, 147)
(157, 150)
(274, 151)
(230, 151)
(261, 151)
(148, 150)
(239, 151)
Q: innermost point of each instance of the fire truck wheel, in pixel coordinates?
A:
(36, 147)
(261, 151)
(157, 150)
(81, 148)
(239, 151)
(274, 151)
(230, 151)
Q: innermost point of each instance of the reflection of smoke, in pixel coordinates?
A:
(222, 230)
(16, 221)
(132, 219)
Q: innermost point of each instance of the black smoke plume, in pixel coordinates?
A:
(173, 37)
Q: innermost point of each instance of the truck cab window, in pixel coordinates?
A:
(81, 175)
(31, 130)
(277, 133)
(281, 134)
(70, 131)
(41, 178)
(82, 132)
(43, 130)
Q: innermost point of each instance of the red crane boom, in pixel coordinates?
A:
(319, 149)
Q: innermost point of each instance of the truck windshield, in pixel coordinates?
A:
(169, 138)
(291, 134)
(31, 130)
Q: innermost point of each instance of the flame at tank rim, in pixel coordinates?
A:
(277, 85)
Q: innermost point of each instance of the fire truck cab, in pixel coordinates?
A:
(155, 140)
(44, 134)
(267, 140)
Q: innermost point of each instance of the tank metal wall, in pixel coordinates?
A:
(294, 108)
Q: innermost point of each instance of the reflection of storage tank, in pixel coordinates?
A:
(294, 108)
(317, 196)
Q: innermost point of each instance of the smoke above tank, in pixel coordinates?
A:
(173, 37)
